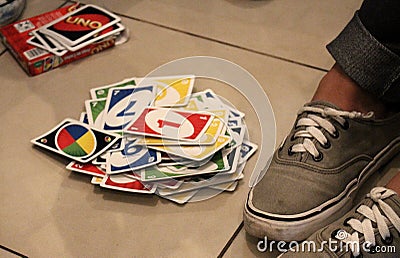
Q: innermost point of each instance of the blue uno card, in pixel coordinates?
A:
(247, 149)
(132, 157)
(124, 105)
(234, 156)
(84, 118)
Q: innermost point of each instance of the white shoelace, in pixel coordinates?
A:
(373, 214)
(314, 122)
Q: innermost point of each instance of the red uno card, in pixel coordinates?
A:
(79, 25)
(171, 124)
(124, 183)
(86, 168)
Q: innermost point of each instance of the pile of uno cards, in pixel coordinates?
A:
(79, 28)
(154, 135)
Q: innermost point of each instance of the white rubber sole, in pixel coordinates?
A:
(298, 230)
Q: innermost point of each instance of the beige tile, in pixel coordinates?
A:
(7, 254)
(296, 30)
(35, 7)
(48, 212)
(245, 245)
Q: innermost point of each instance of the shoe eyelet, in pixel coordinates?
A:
(346, 125)
(346, 222)
(371, 249)
(327, 145)
(290, 152)
(388, 240)
(318, 158)
(335, 135)
(358, 256)
(334, 233)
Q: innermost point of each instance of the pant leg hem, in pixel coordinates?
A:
(364, 59)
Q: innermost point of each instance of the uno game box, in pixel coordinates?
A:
(38, 52)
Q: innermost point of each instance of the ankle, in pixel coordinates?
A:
(339, 89)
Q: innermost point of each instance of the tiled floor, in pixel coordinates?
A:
(48, 212)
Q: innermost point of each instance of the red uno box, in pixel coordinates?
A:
(35, 60)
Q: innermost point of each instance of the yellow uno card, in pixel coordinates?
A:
(195, 152)
(172, 91)
(209, 137)
(96, 180)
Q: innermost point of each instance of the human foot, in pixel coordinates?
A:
(370, 230)
(339, 89)
(317, 170)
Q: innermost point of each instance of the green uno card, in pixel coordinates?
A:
(102, 91)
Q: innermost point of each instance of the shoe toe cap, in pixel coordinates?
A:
(288, 192)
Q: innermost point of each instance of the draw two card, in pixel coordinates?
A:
(171, 124)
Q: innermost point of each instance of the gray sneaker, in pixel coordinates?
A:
(315, 173)
(370, 230)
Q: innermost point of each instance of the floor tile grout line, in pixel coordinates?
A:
(231, 239)
(63, 4)
(224, 43)
(12, 251)
(2, 52)
(220, 41)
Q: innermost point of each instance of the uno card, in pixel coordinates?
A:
(118, 146)
(34, 41)
(234, 151)
(218, 163)
(172, 91)
(171, 124)
(86, 168)
(234, 112)
(229, 187)
(124, 105)
(193, 105)
(84, 118)
(102, 91)
(110, 31)
(211, 100)
(195, 152)
(100, 160)
(50, 43)
(47, 43)
(190, 186)
(222, 114)
(76, 140)
(208, 138)
(96, 180)
(123, 183)
(173, 162)
(246, 150)
(181, 198)
(132, 174)
(234, 121)
(170, 184)
(132, 157)
(79, 25)
(95, 111)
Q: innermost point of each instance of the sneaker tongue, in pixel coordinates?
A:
(322, 104)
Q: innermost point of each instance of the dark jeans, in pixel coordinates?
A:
(368, 48)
